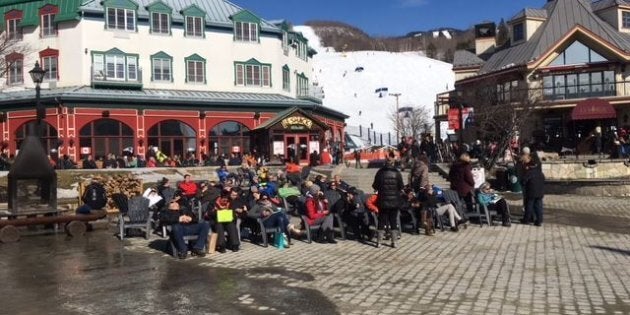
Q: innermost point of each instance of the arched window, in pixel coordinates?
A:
(50, 138)
(227, 135)
(104, 136)
(173, 137)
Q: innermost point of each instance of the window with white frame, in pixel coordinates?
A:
(160, 23)
(50, 64)
(625, 19)
(121, 19)
(194, 26)
(162, 69)
(16, 72)
(14, 31)
(115, 67)
(253, 74)
(195, 71)
(285, 43)
(246, 31)
(286, 79)
(302, 85)
(49, 27)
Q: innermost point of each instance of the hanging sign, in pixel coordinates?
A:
(278, 147)
(453, 119)
(86, 150)
(297, 123)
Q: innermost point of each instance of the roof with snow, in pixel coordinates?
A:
(217, 12)
(563, 16)
(465, 59)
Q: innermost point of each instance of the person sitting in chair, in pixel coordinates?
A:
(317, 213)
(489, 198)
(185, 223)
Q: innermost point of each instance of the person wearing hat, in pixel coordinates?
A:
(94, 197)
(317, 212)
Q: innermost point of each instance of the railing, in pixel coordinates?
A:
(101, 78)
(313, 92)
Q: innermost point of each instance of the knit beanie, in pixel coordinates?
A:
(314, 190)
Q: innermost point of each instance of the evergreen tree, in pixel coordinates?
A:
(503, 34)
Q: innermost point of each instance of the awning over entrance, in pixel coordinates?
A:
(593, 108)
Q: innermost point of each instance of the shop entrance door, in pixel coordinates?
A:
(296, 147)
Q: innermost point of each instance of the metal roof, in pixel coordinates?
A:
(465, 58)
(563, 16)
(165, 97)
(68, 10)
(218, 12)
(529, 12)
(604, 4)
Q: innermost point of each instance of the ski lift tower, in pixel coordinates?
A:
(397, 95)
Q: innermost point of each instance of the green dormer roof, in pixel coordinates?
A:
(68, 9)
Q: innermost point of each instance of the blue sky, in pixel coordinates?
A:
(390, 17)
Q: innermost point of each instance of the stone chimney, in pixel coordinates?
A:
(485, 38)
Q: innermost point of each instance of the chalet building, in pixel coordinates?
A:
(195, 76)
(571, 57)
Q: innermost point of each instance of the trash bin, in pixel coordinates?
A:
(514, 183)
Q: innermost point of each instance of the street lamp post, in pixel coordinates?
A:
(37, 74)
(397, 95)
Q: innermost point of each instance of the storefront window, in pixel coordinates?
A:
(49, 139)
(173, 137)
(105, 136)
(229, 135)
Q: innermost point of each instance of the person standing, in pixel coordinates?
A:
(462, 180)
(534, 184)
(357, 158)
(389, 184)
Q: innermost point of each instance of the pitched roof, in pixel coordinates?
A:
(465, 58)
(604, 4)
(218, 12)
(529, 12)
(284, 114)
(228, 100)
(563, 16)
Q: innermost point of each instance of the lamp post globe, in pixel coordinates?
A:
(37, 73)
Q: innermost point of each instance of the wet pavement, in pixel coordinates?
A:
(97, 275)
(577, 263)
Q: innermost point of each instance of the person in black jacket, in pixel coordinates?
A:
(389, 184)
(184, 222)
(88, 162)
(534, 184)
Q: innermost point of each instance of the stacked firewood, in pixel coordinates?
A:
(128, 185)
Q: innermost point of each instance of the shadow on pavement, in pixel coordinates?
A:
(612, 249)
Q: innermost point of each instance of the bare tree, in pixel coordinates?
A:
(10, 46)
(412, 121)
(501, 111)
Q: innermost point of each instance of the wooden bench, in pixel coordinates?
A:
(75, 225)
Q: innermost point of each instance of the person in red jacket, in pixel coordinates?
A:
(317, 213)
(188, 187)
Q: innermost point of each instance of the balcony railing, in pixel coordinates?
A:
(100, 78)
(313, 92)
(584, 91)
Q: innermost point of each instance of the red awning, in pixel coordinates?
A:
(593, 108)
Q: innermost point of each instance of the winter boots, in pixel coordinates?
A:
(379, 237)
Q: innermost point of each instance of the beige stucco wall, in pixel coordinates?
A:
(530, 27)
(485, 45)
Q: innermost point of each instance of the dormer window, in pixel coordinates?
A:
(625, 19)
(121, 15)
(518, 32)
(194, 26)
(246, 27)
(121, 19)
(160, 18)
(47, 20)
(246, 32)
(13, 19)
